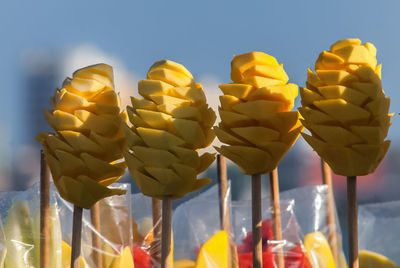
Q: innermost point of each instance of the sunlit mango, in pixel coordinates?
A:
(85, 152)
(257, 123)
(345, 109)
(169, 124)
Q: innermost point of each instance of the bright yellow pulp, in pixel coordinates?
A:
(83, 153)
(346, 110)
(169, 124)
(256, 121)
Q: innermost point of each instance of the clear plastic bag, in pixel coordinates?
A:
(310, 209)
(378, 229)
(20, 211)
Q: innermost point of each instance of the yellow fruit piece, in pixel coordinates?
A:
(343, 111)
(251, 160)
(193, 93)
(275, 72)
(315, 116)
(334, 135)
(235, 119)
(318, 249)
(257, 109)
(184, 264)
(226, 137)
(187, 112)
(282, 122)
(335, 77)
(155, 119)
(356, 54)
(257, 135)
(260, 81)
(206, 160)
(341, 92)
(152, 87)
(125, 260)
(171, 65)
(284, 93)
(328, 60)
(308, 96)
(66, 256)
(214, 253)
(228, 101)
(154, 157)
(164, 175)
(165, 99)
(80, 142)
(159, 139)
(369, 259)
(60, 120)
(344, 43)
(237, 90)
(171, 77)
(190, 131)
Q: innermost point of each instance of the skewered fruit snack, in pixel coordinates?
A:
(84, 153)
(256, 121)
(345, 108)
(170, 123)
(369, 259)
(294, 257)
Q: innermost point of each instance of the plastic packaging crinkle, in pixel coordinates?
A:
(20, 235)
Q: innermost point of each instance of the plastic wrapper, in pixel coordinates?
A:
(378, 229)
(310, 209)
(290, 248)
(21, 222)
(194, 222)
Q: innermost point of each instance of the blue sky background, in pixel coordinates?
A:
(203, 35)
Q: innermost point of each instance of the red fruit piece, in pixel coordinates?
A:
(141, 257)
(267, 234)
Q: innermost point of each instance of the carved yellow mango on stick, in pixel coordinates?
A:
(84, 154)
(169, 124)
(345, 109)
(256, 118)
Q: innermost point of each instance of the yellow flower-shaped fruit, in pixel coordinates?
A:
(345, 108)
(84, 153)
(170, 123)
(256, 121)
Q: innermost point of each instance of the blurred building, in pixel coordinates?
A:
(40, 71)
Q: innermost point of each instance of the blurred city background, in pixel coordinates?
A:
(42, 42)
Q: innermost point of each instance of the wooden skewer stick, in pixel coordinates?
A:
(256, 220)
(156, 244)
(76, 237)
(276, 214)
(352, 221)
(330, 217)
(44, 213)
(224, 208)
(96, 239)
(166, 232)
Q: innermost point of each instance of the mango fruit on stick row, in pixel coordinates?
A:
(169, 124)
(345, 108)
(256, 121)
(84, 154)
(258, 127)
(346, 111)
